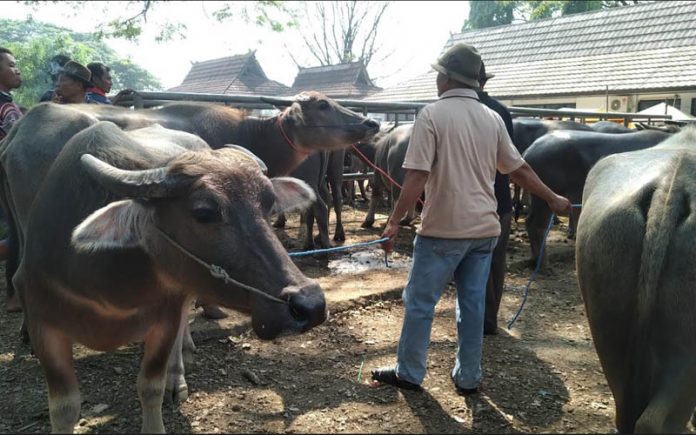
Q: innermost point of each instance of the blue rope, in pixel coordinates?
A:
(536, 269)
(338, 248)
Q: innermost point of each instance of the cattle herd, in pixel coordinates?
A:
(119, 218)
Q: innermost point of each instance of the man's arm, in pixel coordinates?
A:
(414, 183)
(526, 177)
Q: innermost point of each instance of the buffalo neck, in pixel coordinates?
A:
(264, 138)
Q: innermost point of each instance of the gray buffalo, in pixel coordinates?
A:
(635, 252)
(526, 130)
(611, 127)
(125, 229)
(390, 151)
(562, 160)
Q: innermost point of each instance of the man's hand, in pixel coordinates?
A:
(560, 205)
(391, 230)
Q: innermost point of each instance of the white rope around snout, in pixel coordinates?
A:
(220, 273)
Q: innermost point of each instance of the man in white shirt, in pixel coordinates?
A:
(456, 146)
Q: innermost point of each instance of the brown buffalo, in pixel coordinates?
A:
(125, 229)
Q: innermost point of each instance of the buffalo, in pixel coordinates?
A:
(635, 251)
(126, 228)
(562, 160)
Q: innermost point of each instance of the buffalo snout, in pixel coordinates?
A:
(308, 306)
(372, 125)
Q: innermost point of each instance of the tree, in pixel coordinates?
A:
(127, 18)
(484, 14)
(34, 43)
(347, 32)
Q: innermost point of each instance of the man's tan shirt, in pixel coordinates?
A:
(461, 143)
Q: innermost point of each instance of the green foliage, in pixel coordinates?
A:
(126, 19)
(34, 44)
(487, 13)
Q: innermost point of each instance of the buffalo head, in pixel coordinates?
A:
(216, 206)
(317, 122)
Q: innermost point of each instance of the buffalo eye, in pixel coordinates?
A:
(206, 215)
(323, 105)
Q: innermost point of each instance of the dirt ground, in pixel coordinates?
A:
(541, 376)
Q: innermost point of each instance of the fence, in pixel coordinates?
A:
(152, 99)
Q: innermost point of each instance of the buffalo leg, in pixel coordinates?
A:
(375, 199)
(54, 350)
(536, 223)
(176, 390)
(13, 302)
(337, 196)
(152, 380)
(321, 214)
(280, 221)
(673, 404)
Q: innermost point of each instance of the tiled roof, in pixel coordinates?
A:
(336, 81)
(646, 46)
(240, 74)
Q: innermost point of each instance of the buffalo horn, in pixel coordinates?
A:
(146, 183)
(281, 102)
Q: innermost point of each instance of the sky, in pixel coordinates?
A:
(412, 32)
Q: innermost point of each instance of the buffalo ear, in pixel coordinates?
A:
(291, 194)
(118, 225)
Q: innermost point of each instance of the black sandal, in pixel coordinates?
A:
(388, 376)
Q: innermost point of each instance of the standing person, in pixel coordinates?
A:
(456, 145)
(496, 278)
(73, 81)
(10, 78)
(101, 77)
(54, 66)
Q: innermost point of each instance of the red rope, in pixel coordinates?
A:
(373, 166)
(287, 139)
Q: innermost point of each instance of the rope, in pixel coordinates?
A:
(338, 248)
(220, 273)
(287, 139)
(364, 158)
(536, 269)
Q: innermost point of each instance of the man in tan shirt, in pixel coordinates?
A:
(456, 146)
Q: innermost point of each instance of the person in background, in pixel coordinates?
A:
(73, 81)
(54, 65)
(10, 78)
(496, 279)
(101, 77)
(455, 148)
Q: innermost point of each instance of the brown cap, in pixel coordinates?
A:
(77, 71)
(461, 62)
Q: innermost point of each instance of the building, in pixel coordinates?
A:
(232, 75)
(627, 58)
(346, 80)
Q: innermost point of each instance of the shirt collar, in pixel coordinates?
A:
(96, 90)
(6, 96)
(460, 92)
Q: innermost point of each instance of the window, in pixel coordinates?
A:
(402, 117)
(646, 104)
(693, 106)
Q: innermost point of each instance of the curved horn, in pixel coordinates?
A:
(281, 102)
(256, 158)
(146, 183)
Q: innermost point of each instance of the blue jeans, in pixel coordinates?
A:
(435, 262)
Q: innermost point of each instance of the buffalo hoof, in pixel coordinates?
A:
(367, 224)
(279, 223)
(213, 312)
(176, 391)
(340, 236)
(322, 243)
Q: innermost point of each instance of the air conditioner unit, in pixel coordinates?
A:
(618, 104)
